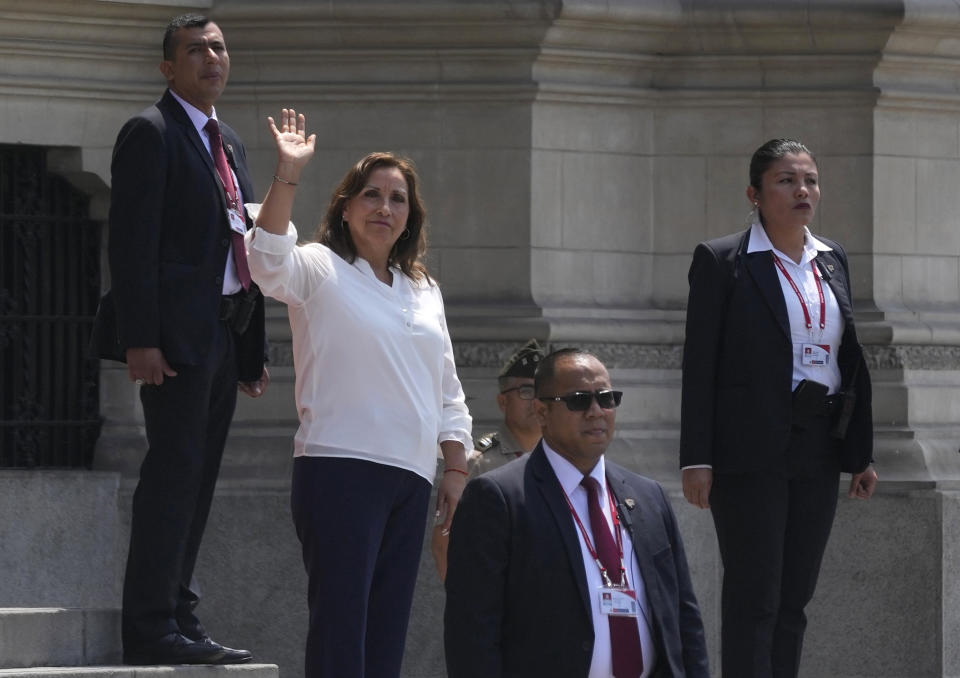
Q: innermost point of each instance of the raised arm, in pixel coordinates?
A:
(294, 150)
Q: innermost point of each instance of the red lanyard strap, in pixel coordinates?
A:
(586, 539)
(803, 301)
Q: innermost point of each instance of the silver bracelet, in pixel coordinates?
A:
(284, 181)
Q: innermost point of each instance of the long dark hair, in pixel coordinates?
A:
(409, 250)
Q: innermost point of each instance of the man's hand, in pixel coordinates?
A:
(696, 486)
(148, 366)
(863, 484)
(255, 389)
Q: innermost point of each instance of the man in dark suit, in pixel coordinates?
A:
(184, 316)
(563, 564)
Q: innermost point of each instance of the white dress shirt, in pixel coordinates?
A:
(231, 281)
(803, 276)
(570, 477)
(374, 363)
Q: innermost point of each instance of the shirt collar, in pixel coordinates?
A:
(569, 475)
(197, 117)
(760, 242)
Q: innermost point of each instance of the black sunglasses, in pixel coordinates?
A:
(580, 401)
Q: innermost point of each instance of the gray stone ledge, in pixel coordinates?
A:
(913, 357)
(614, 355)
(492, 354)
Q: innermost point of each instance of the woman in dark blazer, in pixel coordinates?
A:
(776, 403)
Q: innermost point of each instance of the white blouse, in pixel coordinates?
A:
(375, 374)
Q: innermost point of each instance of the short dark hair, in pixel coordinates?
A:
(546, 370)
(769, 153)
(409, 249)
(176, 23)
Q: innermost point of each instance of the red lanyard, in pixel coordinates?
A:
(803, 301)
(593, 552)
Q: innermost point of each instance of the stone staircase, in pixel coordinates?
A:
(49, 641)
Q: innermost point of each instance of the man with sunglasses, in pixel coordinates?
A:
(565, 564)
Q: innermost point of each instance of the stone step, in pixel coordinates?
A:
(51, 636)
(234, 671)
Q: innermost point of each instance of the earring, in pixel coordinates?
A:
(405, 235)
(343, 224)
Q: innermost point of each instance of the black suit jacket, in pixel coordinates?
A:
(169, 238)
(738, 361)
(517, 598)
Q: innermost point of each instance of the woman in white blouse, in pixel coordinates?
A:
(376, 392)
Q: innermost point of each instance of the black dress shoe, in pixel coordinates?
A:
(175, 648)
(230, 656)
(194, 631)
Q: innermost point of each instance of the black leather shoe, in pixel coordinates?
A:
(230, 656)
(175, 648)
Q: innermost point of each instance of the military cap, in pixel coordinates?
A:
(524, 362)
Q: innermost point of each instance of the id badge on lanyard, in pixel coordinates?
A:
(811, 354)
(237, 224)
(618, 602)
(615, 601)
(815, 355)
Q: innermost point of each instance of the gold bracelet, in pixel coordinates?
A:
(284, 181)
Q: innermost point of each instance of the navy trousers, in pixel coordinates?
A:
(187, 419)
(772, 528)
(361, 525)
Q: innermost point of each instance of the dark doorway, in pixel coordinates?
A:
(49, 289)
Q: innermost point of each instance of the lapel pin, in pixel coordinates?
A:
(830, 267)
(630, 503)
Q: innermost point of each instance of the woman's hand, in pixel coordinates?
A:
(863, 484)
(452, 482)
(696, 486)
(438, 547)
(294, 147)
(448, 496)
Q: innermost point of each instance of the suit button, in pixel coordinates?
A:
(586, 646)
(224, 242)
(218, 280)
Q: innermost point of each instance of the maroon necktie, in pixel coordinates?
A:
(624, 634)
(226, 177)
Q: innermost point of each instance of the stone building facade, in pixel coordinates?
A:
(573, 153)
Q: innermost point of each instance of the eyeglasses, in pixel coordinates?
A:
(580, 401)
(524, 392)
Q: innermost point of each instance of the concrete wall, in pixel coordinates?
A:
(58, 539)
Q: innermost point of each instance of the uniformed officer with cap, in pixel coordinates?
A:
(519, 431)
